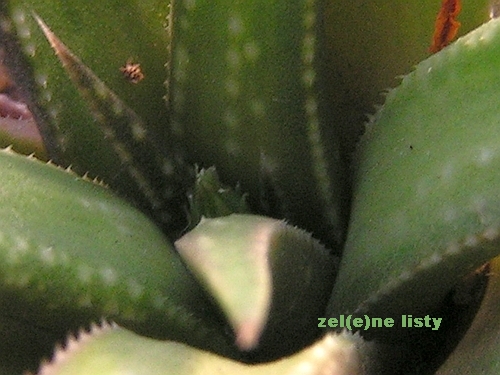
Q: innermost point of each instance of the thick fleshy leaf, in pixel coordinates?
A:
(125, 30)
(113, 350)
(248, 76)
(160, 181)
(426, 204)
(271, 279)
(90, 115)
(71, 252)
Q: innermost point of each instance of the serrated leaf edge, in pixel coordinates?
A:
(453, 249)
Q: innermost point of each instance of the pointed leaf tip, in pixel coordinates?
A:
(269, 278)
(153, 176)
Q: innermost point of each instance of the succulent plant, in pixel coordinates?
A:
(180, 191)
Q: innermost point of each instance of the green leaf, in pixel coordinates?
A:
(71, 252)
(425, 210)
(90, 116)
(158, 179)
(247, 89)
(113, 350)
(124, 30)
(272, 280)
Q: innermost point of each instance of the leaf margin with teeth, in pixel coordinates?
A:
(397, 245)
(110, 349)
(270, 278)
(145, 166)
(54, 222)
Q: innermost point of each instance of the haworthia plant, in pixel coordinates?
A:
(214, 235)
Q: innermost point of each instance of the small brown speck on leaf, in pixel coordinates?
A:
(132, 72)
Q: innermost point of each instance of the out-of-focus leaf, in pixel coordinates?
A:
(113, 350)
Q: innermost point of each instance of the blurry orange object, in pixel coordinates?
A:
(446, 25)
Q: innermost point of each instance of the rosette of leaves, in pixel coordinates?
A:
(199, 195)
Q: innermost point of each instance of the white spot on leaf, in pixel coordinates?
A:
(189, 4)
(108, 276)
(251, 51)
(232, 87)
(235, 25)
